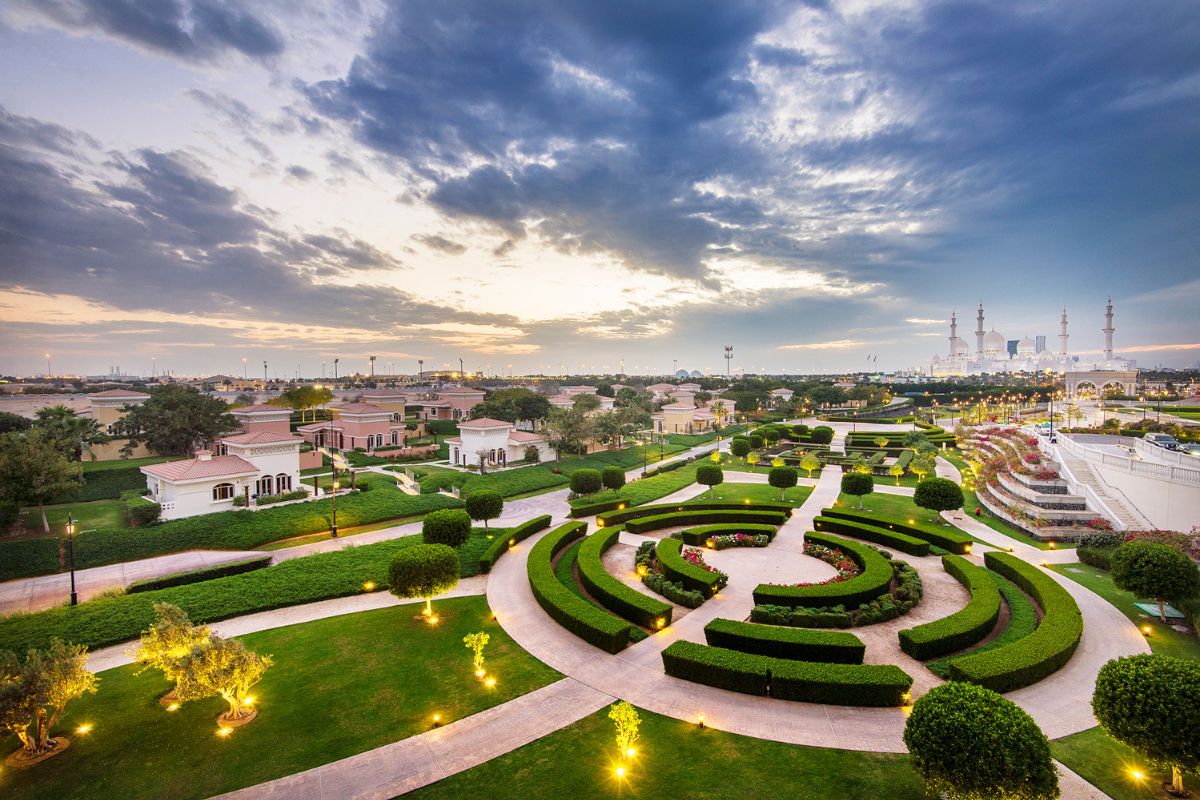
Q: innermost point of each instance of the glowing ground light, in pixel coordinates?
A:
(369, 586)
(620, 772)
(479, 673)
(432, 619)
(1052, 545)
(490, 683)
(224, 731)
(84, 729)
(1146, 629)
(512, 542)
(249, 701)
(631, 752)
(659, 623)
(700, 721)
(437, 720)
(173, 707)
(1137, 775)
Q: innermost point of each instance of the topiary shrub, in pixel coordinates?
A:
(857, 484)
(1157, 571)
(969, 743)
(1152, 704)
(783, 478)
(740, 446)
(822, 434)
(586, 481)
(484, 505)
(756, 441)
(938, 494)
(612, 477)
(423, 570)
(449, 526)
(139, 510)
(709, 475)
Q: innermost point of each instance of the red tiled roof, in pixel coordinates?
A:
(261, 437)
(523, 437)
(661, 386)
(485, 422)
(260, 408)
(361, 408)
(455, 440)
(677, 406)
(385, 393)
(194, 469)
(119, 393)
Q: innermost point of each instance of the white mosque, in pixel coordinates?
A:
(992, 352)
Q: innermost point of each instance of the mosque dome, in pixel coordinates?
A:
(1026, 346)
(994, 342)
(958, 346)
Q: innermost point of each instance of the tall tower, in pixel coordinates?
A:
(1108, 330)
(1062, 334)
(979, 331)
(953, 330)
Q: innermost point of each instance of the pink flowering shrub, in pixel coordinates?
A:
(835, 558)
(1033, 458)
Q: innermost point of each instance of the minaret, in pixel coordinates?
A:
(953, 330)
(1062, 335)
(979, 331)
(1108, 330)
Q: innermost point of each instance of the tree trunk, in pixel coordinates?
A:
(1162, 612)
(429, 606)
(860, 497)
(235, 707)
(45, 522)
(42, 731)
(1177, 782)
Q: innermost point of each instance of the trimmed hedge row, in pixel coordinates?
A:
(610, 592)
(588, 509)
(651, 511)
(813, 682)
(800, 644)
(506, 539)
(699, 535)
(739, 515)
(106, 484)
(948, 538)
(20, 558)
(871, 533)
(197, 575)
(874, 580)
(567, 608)
(964, 627)
(670, 559)
(1044, 651)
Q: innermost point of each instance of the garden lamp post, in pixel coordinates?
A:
(71, 556)
(334, 486)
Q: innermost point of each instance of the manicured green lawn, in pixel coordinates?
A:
(1022, 621)
(907, 479)
(646, 490)
(338, 686)
(898, 506)
(754, 492)
(628, 458)
(87, 516)
(677, 759)
(123, 463)
(1107, 764)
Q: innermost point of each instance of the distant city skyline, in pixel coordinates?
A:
(541, 183)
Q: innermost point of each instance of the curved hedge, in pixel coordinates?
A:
(800, 644)
(599, 507)
(610, 592)
(964, 627)
(702, 517)
(670, 560)
(1037, 655)
(872, 533)
(699, 535)
(874, 580)
(813, 682)
(503, 541)
(948, 538)
(567, 608)
(651, 511)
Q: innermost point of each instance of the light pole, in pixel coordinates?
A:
(244, 375)
(71, 556)
(334, 484)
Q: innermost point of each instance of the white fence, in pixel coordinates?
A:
(1146, 469)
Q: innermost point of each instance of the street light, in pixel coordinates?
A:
(333, 529)
(71, 556)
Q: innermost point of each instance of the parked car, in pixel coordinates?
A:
(1163, 440)
(1192, 449)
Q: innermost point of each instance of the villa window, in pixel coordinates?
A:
(265, 484)
(283, 483)
(394, 438)
(223, 491)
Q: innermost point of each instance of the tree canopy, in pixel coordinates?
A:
(175, 421)
(1157, 571)
(513, 405)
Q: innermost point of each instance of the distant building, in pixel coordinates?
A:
(494, 443)
(108, 407)
(1039, 344)
(683, 418)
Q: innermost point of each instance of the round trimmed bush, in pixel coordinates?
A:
(484, 505)
(1152, 704)
(740, 446)
(1156, 571)
(857, 484)
(448, 526)
(938, 494)
(709, 475)
(423, 570)
(612, 478)
(756, 441)
(970, 743)
(586, 481)
(782, 478)
(822, 434)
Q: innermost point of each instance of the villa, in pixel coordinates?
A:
(108, 407)
(661, 391)
(781, 395)
(565, 400)
(494, 442)
(357, 425)
(393, 401)
(684, 418)
(454, 403)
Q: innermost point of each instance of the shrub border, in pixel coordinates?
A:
(964, 627)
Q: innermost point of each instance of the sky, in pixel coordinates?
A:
(571, 186)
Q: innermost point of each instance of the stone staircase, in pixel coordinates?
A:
(838, 445)
(1082, 471)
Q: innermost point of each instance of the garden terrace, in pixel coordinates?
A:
(784, 679)
(611, 593)
(643, 490)
(743, 514)
(799, 644)
(1032, 658)
(874, 534)
(963, 628)
(948, 537)
(1032, 492)
(874, 580)
(669, 553)
(568, 609)
(649, 511)
(699, 535)
(503, 540)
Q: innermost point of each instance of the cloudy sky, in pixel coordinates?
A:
(557, 184)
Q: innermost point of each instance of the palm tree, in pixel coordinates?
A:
(72, 434)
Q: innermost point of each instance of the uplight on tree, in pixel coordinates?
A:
(897, 472)
(225, 668)
(34, 692)
(625, 718)
(476, 642)
(810, 462)
(168, 641)
(423, 570)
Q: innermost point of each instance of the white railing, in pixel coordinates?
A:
(1162, 472)
(1094, 501)
(1161, 454)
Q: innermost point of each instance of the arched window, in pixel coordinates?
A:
(283, 483)
(265, 484)
(395, 439)
(223, 491)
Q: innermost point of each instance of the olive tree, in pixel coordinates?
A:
(938, 494)
(612, 477)
(35, 690)
(221, 667)
(709, 475)
(921, 466)
(857, 484)
(810, 462)
(897, 472)
(448, 526)
(586, 481)
(423, 570)
(969, 743)
(168, 640)
(484, 505)
(1155, 570)
(1152, 704)
(782, 478)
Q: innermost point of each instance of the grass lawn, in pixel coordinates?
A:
(676, 759)
(96, 514)
(123, 463)
(1107, 764)
(754, 492)
(907, 479)
(1022, 621)
(971, 502)
(898, 506)
(338, 686)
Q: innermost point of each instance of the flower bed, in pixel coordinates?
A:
(739, 540)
